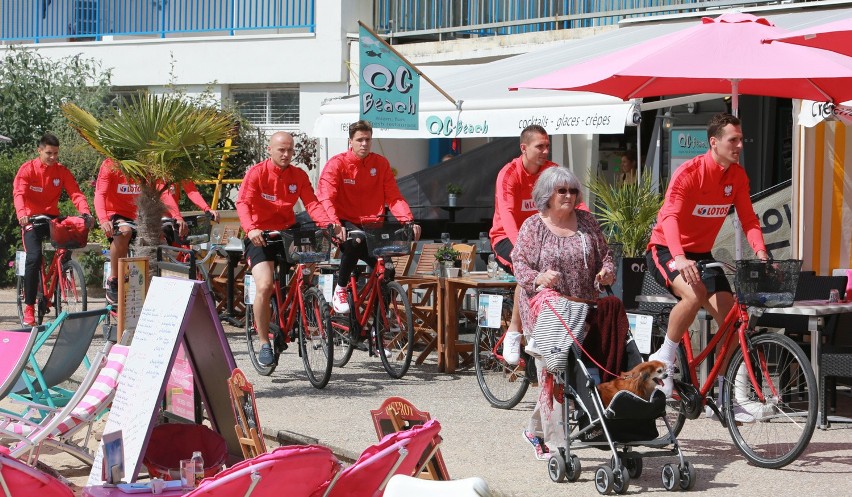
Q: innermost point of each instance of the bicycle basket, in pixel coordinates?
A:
(388, 239)
(68, 233)
(306, 244)
(767, 283)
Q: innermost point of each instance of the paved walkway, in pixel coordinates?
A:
(483, 441)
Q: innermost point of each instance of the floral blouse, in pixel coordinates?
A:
(578, 258)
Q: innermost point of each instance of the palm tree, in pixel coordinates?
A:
(156, 140)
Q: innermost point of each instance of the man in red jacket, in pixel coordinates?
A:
(267, 195)
(35, 191)
(697, 202)
(115, 201)
(354, 187)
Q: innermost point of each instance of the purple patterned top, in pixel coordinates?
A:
(578, 258)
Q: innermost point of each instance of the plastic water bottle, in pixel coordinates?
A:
(199, 467)
(492, 267)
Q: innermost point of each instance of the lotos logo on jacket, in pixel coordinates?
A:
(129, 189)
(347, 181)
(729, 189)
(271, 198)
(292, 188)
(528, 205)
(711, 210)
(36, 188)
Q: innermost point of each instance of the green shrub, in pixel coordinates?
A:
(10, 231)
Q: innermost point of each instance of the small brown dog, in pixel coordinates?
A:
(640, 380)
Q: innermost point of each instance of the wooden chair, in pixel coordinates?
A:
(422, 294)
(249, 433)
(219, 276)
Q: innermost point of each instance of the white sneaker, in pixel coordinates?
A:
(339, 302)
(668, 381)
(512, 347)
(531, 348)
(741, 414)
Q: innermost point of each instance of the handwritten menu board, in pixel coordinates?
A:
(141, 384)
(132, 286)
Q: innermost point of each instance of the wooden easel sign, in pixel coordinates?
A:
(249, 432)
(398, 414)
(132, 287)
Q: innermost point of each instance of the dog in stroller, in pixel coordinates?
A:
(627, 426)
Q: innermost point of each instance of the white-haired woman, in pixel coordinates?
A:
(561, 248)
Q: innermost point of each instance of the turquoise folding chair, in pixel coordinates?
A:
(72, 333)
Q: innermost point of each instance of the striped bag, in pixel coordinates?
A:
(550, 333)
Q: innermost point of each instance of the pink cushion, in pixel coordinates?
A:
(25, 480)
(294, 471)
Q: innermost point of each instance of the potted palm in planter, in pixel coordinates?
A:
(453, 191)
(626, 215)
(446, 258)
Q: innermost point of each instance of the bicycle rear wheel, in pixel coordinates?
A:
(771, 434)
(502, 384)
(314, 339)
(20, 294)
(394, 330)
(342, 326)
(71, 292)
(253, 342)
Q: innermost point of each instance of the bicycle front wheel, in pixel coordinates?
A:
(253, 342)
(71, 294)
(314, 339)
(502, 384)
(394, 330)
(771, 434)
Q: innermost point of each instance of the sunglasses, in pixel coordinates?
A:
(566, 191)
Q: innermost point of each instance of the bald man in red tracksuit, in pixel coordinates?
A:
(35, 191)
(698, 199)
(267, 195)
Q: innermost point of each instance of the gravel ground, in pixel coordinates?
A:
(479, 440)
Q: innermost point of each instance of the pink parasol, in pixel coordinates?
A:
(719, 55)
(834, 36)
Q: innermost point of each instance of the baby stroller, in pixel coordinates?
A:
(627, 424)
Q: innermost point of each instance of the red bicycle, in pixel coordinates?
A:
(380, 305)
(62, 283)
(298, 307)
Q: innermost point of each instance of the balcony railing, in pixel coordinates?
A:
(439, 19)
(76, 20)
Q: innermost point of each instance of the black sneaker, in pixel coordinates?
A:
(265, 358)
(112, 291)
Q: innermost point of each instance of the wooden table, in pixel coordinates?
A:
(451, 294)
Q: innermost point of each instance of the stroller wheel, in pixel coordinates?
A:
(556, 467)
(620, 480)
(574, 468)
(687, 476)
(670, 476)
(604, 480)
(632, 464)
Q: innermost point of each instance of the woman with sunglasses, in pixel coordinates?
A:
(561, 248)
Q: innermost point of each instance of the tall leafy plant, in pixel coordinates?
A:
(156, 140)
(627, 213)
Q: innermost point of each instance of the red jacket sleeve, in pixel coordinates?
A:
(312, 204)
(245, 197)
(19, 188)
(171, 206)
(194, 195)
(505, 199)
(327, 188)
(102, 186)
(669, 215)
